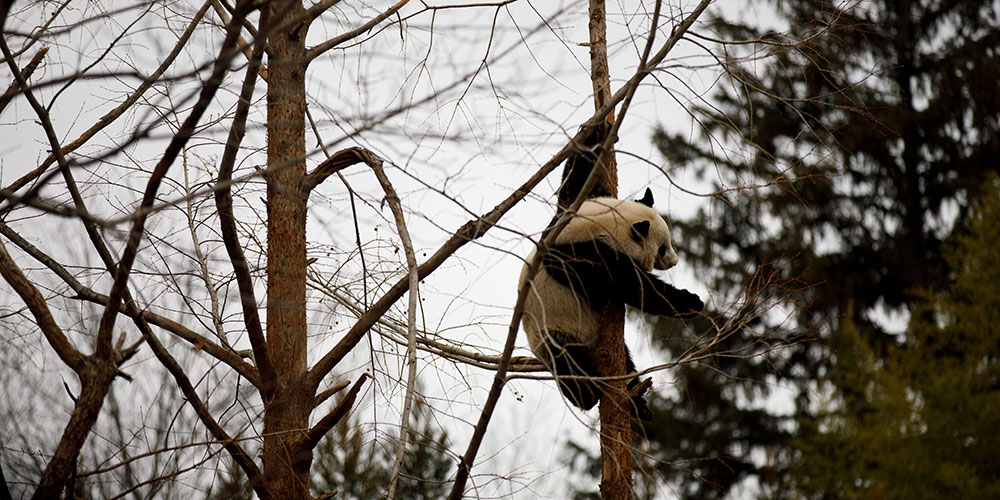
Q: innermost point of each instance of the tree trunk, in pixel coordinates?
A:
(600, 78)
(614, 410)
(609, 352)
(286, 458)
(95, 382)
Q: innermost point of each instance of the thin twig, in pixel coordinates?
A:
(318, 50)
(108, 118)
(82, 292)
(199, 257)
(411, 320)
(65, 349)
(241, 457)
(187, 129)
(395, 331)
(14, 88)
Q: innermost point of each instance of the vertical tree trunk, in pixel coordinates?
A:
(616, 434)
(286, 458)
(600, 78)
(609, 352)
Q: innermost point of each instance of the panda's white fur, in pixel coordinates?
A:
(553, 307)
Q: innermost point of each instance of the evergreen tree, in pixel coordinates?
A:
(867, 174)
(928, 429)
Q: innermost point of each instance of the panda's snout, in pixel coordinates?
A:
(668, 260)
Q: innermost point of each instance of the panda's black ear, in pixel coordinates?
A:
(647, 199)
(640, 230)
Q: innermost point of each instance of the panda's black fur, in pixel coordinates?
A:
(604, 253)
(578, 167)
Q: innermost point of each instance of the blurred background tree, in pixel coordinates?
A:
(358, 468)
(927, 411)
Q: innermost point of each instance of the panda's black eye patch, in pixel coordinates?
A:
(640, 230)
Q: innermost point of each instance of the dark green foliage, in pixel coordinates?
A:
(860, 170)
(926, 428)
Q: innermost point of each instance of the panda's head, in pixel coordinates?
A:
(630, 227)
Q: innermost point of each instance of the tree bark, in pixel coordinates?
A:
(95, 382)
(600, 78)
(614, 410)
(286, 456)
(609, 352)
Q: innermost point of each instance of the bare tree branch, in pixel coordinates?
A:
(83, 292)
(318, 50)
(330, 419)
(231, 445)
(411, 321)
(317, 9)
(40, 310)
(335, 163)
(8, 193)
(14, 88)
(246, 47)
(41, 29)
(227, 222)
(395, 331)
(221, 67)
(95, 373)
(330, 392)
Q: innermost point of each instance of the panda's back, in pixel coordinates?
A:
(552, 308)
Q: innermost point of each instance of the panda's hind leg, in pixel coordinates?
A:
(577, 374)
(574, 370)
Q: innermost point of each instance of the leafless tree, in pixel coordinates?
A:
(162, 162)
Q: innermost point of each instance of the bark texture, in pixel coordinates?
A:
(286, 456)
(609, 352)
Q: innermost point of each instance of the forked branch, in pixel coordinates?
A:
(330, 419)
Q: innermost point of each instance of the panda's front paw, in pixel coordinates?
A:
(696, 304)
(687, 304)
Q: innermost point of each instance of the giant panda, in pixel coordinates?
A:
(604, 253)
